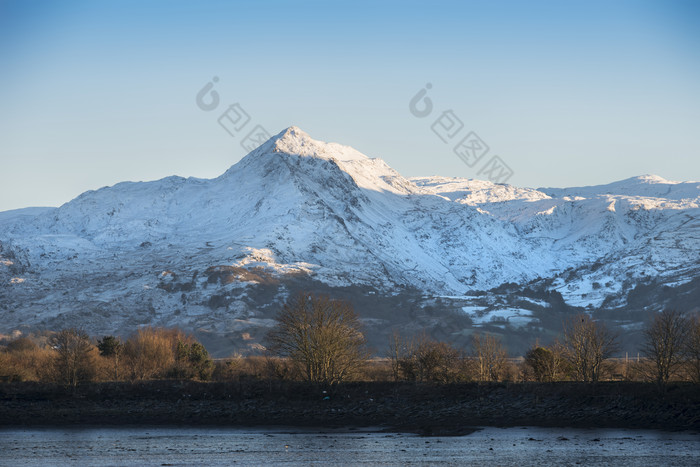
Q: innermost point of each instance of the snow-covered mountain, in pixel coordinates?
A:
(446, 254)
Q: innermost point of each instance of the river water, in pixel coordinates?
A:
(279, 446)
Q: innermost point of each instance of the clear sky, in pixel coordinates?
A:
(97, 92)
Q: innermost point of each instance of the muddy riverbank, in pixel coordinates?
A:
(426, 409)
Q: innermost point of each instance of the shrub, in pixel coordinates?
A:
(425, 360)
(544, 363)
(111, 348)
(192, 361)
(150, 353)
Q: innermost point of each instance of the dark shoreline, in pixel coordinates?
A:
(406, 407)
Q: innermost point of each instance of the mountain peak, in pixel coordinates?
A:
(292, 140)
(295, 141)
(651, 178)
(293, 132)
(299, 214)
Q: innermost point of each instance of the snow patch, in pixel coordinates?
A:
(516, 317)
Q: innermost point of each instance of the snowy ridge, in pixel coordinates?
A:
(187, 250)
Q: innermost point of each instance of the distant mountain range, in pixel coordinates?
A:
(442, 255)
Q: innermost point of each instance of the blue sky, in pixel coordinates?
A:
(566, 93)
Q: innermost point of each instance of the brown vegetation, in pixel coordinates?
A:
(70, 357)
(587, 345)
(489, 357)
(73, 360)
(545, 364)
(322, 337)
(665, 344)
(426, 360)
(319, 340)
(692, 348)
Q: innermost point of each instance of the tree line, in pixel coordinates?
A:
(320, 340)
(71, 356)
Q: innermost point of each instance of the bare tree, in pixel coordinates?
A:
(489, 357)
(405, 352)
(437, 361)
(665, 343)
(321, 336)
(424, 359)
(72, 362)
(395, 354)
(587, 345)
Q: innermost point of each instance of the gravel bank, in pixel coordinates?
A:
(426, 409)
